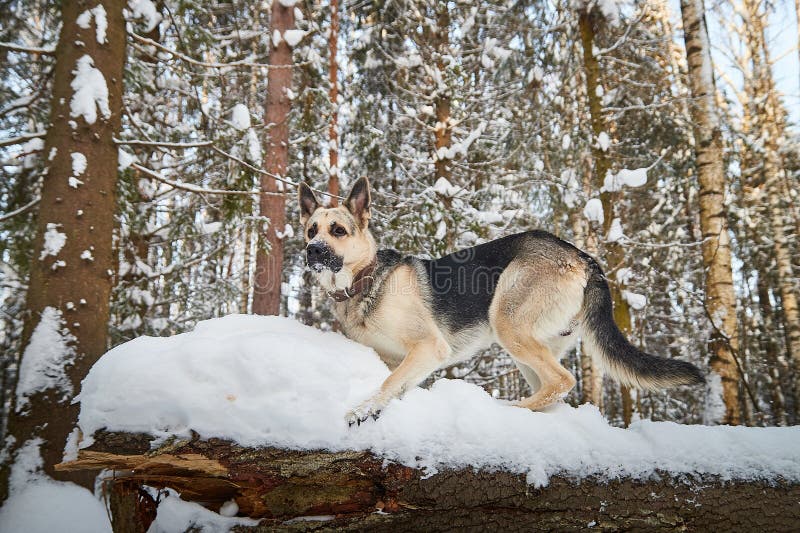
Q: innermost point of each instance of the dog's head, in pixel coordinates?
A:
(338, 241)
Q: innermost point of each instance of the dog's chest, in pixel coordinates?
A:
(390, 351)
(377, 334)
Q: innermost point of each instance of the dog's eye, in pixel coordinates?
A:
(339, 231)
(312, 231)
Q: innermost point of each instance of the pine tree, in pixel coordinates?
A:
(333, 96)
(71, 271)
(269, 257)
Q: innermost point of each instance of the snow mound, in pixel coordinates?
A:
(37, 504)
(272, 381)
(46, 506)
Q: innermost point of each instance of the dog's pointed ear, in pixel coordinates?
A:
(308, 202)
(358, 201)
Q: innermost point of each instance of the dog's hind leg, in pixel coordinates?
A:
(556, 381)
(536, 300)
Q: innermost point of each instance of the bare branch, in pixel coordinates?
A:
(28, 49)
(19, 211)
(164, 144)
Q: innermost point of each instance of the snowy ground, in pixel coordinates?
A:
(68, 507)
(272, 381)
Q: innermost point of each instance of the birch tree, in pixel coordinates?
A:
(719, 295)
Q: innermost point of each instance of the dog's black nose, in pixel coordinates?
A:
(319, 256)
(315, 251)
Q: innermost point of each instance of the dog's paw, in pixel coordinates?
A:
(362, 413)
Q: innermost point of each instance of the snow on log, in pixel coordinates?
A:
(247, 412)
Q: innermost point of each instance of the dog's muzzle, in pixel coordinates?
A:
(319, 257)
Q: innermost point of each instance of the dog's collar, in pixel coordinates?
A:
(361, 282)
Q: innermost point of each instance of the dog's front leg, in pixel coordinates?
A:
(423, 358)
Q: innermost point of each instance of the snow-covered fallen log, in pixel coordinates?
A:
(355, 490)
(251, 410)
(335, 490)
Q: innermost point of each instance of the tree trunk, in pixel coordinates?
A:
(770, 348)
(586, 239)
(333, 95)
(780, 212)
(720, 298)
(785, 275)
(245, 274)
(442, 131)
(78, 201)
(357, 491)
(602, 165)
(442, 138)
(269, 263)
(591, 67)
(248, 236)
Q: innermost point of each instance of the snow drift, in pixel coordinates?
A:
(270, 381)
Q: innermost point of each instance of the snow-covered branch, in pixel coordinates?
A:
(21, 138)
(192, 188)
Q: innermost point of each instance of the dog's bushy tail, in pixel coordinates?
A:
(623, 361)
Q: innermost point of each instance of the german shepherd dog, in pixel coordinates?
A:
(532, 293)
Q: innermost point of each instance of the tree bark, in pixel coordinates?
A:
(586, 239)
(720, 299)
(770, 348)
(349, 487)
(602, 165)
(443, 131)
(76, 281)
(333, 95)
(269, 263)
(591, 67)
